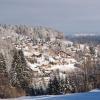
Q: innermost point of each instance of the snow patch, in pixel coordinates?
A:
(95, 90)
(69, 67)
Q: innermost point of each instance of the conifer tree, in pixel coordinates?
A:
(4, 80)
(41, 90)
(21, 74)
(3, 71)
(2, 64)
(50, 87)
(67, 86)
(62, 85)
(54, 86)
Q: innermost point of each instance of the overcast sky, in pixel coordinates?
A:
(65, 15)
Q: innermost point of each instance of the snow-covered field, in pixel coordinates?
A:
(92, 95)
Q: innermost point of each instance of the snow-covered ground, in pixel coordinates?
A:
(92, 95)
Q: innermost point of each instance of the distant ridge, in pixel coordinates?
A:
(87, 34)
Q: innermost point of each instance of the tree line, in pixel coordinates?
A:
(18, 81)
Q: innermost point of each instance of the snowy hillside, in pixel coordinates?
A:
(41, 60)
(94, 95)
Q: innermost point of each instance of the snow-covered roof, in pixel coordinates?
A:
(32, 66)
(44, 62)
(26, 53)
(36, 53)
(69, 67)
(51, 59)
(67, 42)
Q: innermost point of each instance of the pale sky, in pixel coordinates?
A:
(64, 15)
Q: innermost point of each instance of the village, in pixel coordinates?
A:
(63, 55)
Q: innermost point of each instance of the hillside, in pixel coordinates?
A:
(95, 95)
(37, 59)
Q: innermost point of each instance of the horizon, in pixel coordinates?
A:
(67, 16)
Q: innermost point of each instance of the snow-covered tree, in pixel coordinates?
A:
(54, 86)
(20, 73)
(2, 64)
(4, 80)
